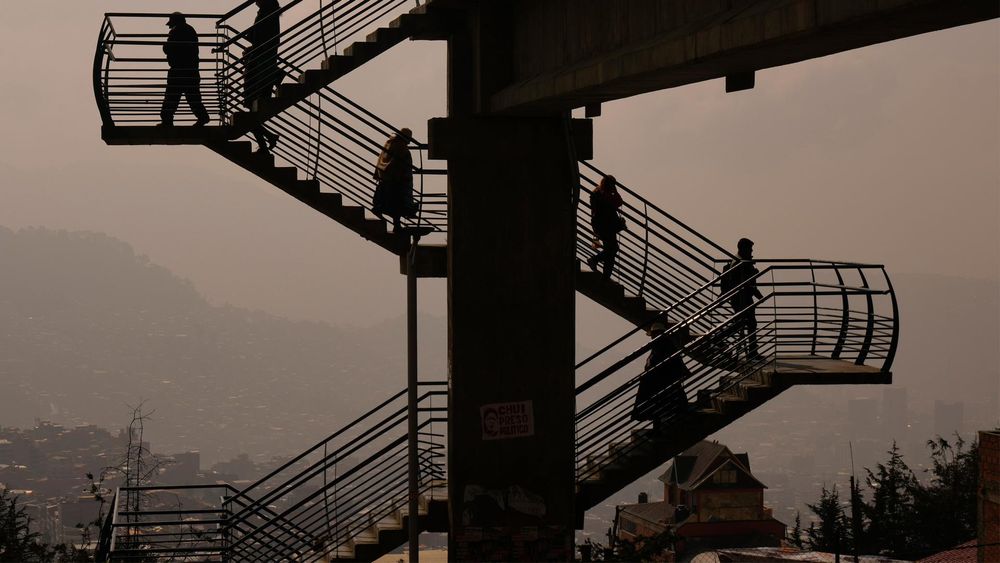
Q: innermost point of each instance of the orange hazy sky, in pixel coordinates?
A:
(886, 154)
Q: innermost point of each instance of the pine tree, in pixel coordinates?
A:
(833, 533)
(795, 536)
(891, 513)
(951, 492)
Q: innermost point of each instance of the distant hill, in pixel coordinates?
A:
(89, 326)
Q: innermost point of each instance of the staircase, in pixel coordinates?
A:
(345, 498)
(819, 322)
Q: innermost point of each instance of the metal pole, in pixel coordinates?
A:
(411, 382)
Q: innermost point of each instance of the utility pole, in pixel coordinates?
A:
(411, 386)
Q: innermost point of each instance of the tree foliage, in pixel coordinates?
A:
(19, 544)
(833, 531)
(899, 515)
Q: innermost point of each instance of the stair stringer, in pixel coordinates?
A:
(308, 192)
(654, 449)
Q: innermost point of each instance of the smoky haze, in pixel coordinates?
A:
(888, 154)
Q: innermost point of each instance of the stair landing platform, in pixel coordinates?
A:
(157, 135)
(815, 370)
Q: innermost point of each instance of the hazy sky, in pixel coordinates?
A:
(887, 154)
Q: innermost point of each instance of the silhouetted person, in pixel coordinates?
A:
(261, 66)
(661, 394)
(394, 177)
(735, 273)
(183, 77)
(606, 222)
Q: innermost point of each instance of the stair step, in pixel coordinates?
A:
(238, 148)
(329, 202)
(292, 90)
(315, 77)
(308, 187)
(261, 159)
(283, 172)
(376, 226)
(387, 35)
(339, 63)
(353, 213)
(363, 50)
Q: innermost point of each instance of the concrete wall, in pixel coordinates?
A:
(570, 53)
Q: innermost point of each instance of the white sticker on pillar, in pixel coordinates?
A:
(507, 420)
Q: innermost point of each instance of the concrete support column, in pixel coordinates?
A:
(511, 336)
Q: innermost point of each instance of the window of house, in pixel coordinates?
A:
(724, 476)
(628, 525)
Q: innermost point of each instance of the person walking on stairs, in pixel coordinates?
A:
(741, 274)
(660, 397)
(261, 72)
(607, 222)
(183, 77)
(394, 180)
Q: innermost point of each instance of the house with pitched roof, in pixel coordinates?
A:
(710, 499)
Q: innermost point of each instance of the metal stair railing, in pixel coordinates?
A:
(130, 69)
(343, 484)
(316, 34)
(184, 521)
(310, 507)
(809, 310)
(166, 525)
(336, 141)
(661, 259)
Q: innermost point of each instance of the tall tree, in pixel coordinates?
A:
(833, 532)
(890, 512)
(945, 509)
(16, 539)
(795, 536)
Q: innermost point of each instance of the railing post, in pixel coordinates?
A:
(411, 382)
(645, 247)
(225, 555)
(870, 321)
(845, 317)
(815, 338)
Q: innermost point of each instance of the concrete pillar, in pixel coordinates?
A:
(510, 335)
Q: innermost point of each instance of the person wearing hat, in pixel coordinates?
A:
(183, 78)
(394, 179)
(660, 397)
(741, 275)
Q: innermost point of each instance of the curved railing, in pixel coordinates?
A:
(327, 136)
(811, 312)
(130, 69)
